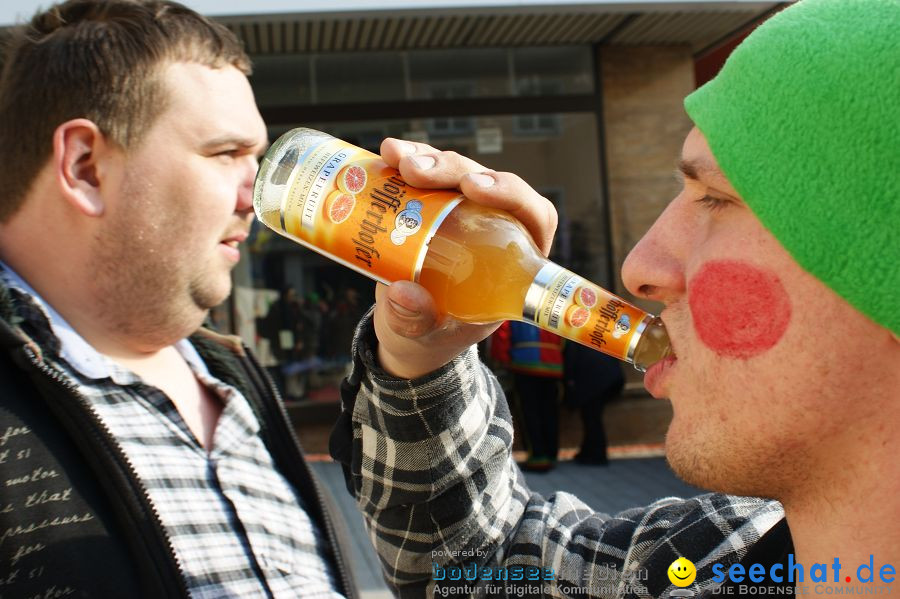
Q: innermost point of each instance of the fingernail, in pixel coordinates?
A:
(481, 180)
(424, 162)
(408, 149)
(405, 312)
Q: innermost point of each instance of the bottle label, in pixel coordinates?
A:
(573, 307)
(346, 203)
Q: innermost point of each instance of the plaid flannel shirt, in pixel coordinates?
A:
(430, 464)
(237, 527)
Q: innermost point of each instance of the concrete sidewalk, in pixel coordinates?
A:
(623, 484)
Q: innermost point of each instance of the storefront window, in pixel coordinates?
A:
(557, 70)
(484, 72)
(282, 79)
(347, 78)
(359, 77)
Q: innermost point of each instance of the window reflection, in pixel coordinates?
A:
(344, 78)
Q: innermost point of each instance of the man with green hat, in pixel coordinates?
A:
(777, 266)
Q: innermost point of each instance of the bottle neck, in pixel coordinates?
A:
(536, 296)
(570, 306)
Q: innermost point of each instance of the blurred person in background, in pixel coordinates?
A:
(591, 380)
(282, 327)
(535, 359)
(345, 315)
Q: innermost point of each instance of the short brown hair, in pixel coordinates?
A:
(100, 60)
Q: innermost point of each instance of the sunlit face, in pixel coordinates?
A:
(767, 355)
(180, 204)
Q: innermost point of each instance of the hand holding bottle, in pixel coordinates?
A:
(414, 338)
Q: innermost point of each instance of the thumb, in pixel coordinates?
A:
(409, 309)
(413, 338)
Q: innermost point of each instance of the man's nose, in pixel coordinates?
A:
(654, 269)
(245, 186)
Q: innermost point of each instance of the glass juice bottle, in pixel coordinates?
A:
(479, 263)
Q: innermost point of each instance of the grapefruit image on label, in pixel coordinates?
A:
(577, 316)
(339, 206)
(585, 296)
(352, 179)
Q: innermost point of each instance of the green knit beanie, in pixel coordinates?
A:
(804, 120)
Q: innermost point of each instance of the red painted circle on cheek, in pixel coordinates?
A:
(739, 310)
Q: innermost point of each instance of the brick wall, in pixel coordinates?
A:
(643, 90)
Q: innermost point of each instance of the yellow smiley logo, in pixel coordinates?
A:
(682, 572)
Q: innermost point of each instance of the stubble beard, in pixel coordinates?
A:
(148, 293)
(744, 461)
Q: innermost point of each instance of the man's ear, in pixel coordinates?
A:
(78, 149)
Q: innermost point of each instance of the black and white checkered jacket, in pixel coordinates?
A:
(429, 462)
(79, 516)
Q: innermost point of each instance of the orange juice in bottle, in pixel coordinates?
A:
(479, 263)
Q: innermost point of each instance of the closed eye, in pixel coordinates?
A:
(229, 153)
(712, 203)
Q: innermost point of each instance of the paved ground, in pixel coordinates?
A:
(624, 483)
